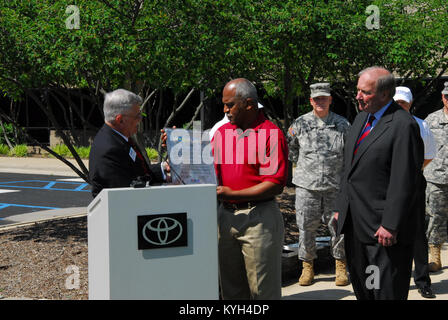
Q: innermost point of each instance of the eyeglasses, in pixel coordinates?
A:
(445, 96)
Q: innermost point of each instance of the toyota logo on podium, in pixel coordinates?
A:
(162, 231)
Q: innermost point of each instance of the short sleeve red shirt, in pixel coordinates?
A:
(246, 158)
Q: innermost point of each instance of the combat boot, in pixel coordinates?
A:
(341, 273)
(435, 264)
(307, 276)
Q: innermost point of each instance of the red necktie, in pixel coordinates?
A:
(139, 155)
(364, 133)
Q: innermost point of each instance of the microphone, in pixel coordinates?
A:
(141, 182)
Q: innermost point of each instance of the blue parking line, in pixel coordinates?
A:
(82, 186)
(49, 185)
(40, 188)
(5, 205)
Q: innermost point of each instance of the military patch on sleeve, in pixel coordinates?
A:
(291, 131)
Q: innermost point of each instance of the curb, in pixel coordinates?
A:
(30, 223)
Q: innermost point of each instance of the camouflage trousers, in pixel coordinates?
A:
(312, 208)
(437, 210)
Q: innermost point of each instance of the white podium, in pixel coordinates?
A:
(154, 243)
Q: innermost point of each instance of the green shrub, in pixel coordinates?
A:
(83, 152)
(4, 149)
(62, 150)
(152, 153)
(20, 150)
(11, 133)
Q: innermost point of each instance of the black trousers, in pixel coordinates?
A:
(377, 272)
(421, 272)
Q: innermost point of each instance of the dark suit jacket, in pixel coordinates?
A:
(381, 185)
(111, 166)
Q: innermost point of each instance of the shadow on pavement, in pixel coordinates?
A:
(327, 294)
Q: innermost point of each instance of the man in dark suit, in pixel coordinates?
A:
(115, 160)
(377, 209)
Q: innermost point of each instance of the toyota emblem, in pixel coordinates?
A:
(168, 230)
(162, 230)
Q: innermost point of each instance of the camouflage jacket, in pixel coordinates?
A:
(437, 170)
(316, 146)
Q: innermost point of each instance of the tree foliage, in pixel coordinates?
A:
(186, 46)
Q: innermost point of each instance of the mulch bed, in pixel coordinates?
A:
(34, 260)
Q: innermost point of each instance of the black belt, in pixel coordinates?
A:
(244, 205)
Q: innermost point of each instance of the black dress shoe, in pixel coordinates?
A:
(426, 292)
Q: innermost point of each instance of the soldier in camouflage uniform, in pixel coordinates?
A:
(436, 174)
(316, 142)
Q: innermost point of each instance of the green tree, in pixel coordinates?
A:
(316, 40)
(190, 46)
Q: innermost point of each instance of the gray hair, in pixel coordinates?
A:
(384, 83)
(245, 89)
(118, 102)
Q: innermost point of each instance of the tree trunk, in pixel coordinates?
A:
(158, 115)
(178, 109)
(5, 135)
(196, 113)
(82, 175)
(52, 119)
(288, 98)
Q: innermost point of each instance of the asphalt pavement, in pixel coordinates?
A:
(49, 189)
(322, 289)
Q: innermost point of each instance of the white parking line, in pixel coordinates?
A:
(7, 190)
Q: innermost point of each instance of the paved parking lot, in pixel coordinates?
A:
(28, 193)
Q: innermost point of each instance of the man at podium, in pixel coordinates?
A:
(115, 160)
(250, 155)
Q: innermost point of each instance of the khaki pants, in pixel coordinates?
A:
(250, 244)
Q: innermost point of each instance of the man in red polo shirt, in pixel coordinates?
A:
(250, 155)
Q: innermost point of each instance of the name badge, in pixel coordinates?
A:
(132, 154)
